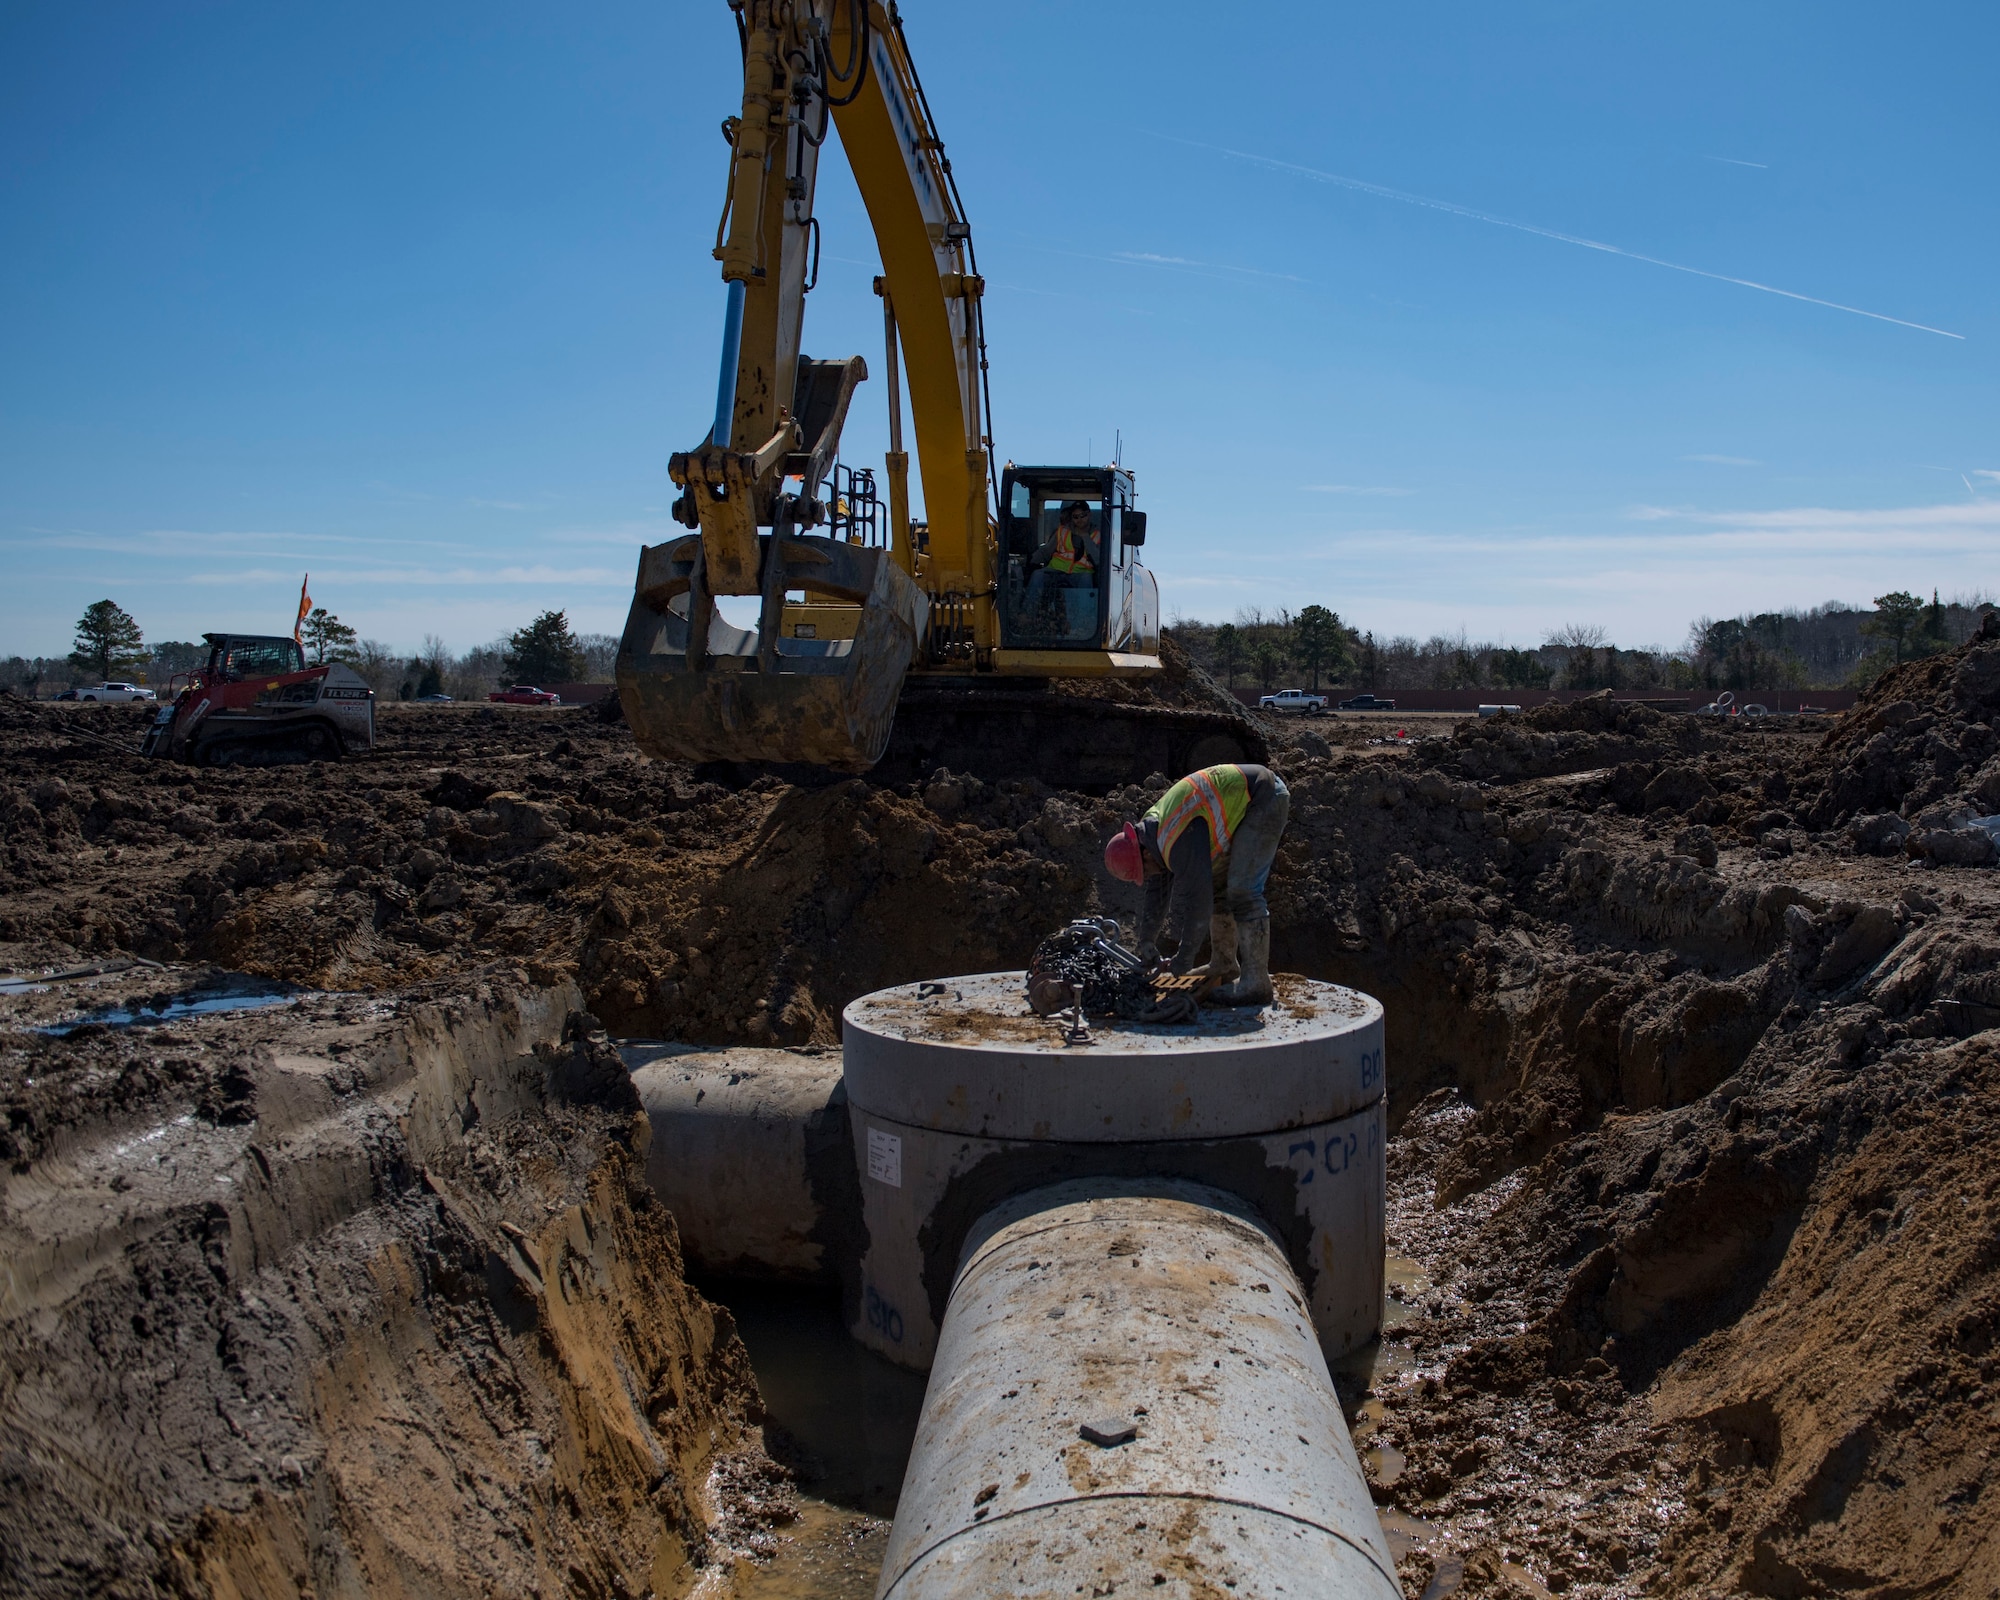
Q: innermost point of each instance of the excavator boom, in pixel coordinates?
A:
(852, 601)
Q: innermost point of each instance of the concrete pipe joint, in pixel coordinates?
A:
(1129, 1396)
(959, 1098)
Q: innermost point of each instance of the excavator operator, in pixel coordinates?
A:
(1068, 559)
(1220, 825)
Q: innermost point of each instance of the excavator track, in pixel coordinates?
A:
(1081, 742)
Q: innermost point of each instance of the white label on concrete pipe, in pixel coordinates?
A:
(885, 1158)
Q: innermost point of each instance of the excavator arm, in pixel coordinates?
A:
(808, 64)
(931, 293)
(818, 681)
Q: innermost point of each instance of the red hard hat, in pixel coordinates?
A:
(1122, 858)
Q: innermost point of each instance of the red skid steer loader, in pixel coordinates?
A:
(256, 703)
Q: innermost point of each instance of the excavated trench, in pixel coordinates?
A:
(1691, 1067)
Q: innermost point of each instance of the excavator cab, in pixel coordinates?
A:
(1069, 574)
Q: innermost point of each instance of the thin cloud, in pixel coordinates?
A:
(1146, 258)
(1724, 461)
(1983, 472)
(1983, 514)
(1449, 207)
(471, 578)
(1350, 488)
(1186, 266)
(1731, 161)
(164, 541)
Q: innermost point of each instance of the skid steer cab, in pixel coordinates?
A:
(256, 703)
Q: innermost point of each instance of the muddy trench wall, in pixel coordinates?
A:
(420, 1328)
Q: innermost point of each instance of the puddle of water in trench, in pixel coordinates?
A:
(843, 1420)
(828, 1554)
(1400, 1272)
(1380, 1365)
(1386, 1463)
(1405, 1534)
(245, 994)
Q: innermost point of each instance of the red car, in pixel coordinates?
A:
(525, 694)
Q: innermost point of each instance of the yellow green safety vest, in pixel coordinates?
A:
(1221, 794)
(1069, 556)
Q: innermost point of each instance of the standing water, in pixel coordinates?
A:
(842, 1419)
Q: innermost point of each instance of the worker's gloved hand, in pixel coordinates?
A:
(1150, 954)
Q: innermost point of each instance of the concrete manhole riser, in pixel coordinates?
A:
(1124, 1264)
(959, 1099)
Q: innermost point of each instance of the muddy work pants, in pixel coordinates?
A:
(1240, 875)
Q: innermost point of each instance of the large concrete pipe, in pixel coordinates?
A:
(959, 1097)
(1129, 1397)
(751, 1152)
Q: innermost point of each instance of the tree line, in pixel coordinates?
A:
(110, 646)
(1827, 646)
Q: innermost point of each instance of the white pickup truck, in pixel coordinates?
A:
(1293, 700)
(114, 693)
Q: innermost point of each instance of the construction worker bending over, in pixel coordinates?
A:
(1218, 827)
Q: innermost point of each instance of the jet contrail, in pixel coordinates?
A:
(1359, 187)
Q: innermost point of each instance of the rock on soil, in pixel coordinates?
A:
(1691, 1047)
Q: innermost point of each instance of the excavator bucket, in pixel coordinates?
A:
(694, 688)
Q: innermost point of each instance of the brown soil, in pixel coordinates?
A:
(354, 1297)
(1691, 1085)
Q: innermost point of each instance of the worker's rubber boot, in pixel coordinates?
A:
(1222, 966)
(1253, 988)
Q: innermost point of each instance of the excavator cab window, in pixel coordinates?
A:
(1055, 553)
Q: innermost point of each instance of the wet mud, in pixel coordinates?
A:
(1692, 1074)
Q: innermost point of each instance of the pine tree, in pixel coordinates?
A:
(1229, 652)
(327, 637)
(1896, 617)
(107, 640)
(1270, 662)
(544, 652)
(1321, 642)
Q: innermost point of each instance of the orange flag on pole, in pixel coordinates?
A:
(305, 608)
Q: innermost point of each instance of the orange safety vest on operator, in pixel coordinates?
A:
(1069, 556)
(1221, 794)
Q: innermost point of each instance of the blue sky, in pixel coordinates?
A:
(420, 299)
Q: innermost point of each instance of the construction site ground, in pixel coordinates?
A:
(314, 1288)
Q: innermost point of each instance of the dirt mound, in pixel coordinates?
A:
(1184, 685)
(1558, 738)
(1697, 1285)
(1917, 759)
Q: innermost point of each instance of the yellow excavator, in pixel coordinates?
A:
(968, 638)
